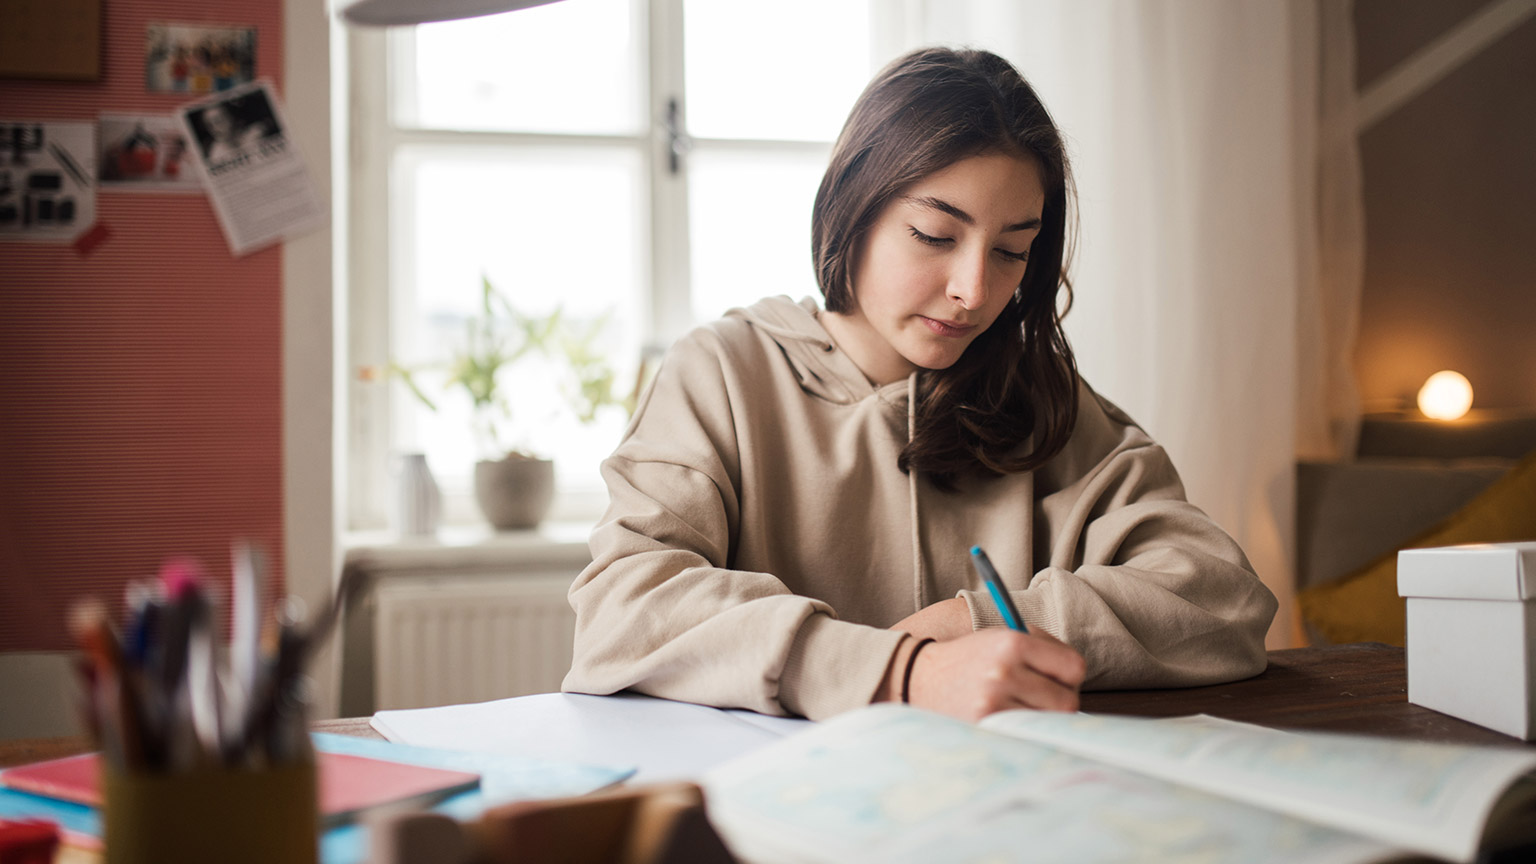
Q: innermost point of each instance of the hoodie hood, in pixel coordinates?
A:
(826, 372)
(822, 368)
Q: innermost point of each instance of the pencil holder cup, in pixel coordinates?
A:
(214, 814)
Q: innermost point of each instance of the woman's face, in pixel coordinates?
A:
(218, 123)
(939, 264)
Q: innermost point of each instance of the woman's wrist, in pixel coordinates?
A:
(906, 677)
(890, 688)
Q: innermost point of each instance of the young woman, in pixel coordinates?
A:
(793, 504)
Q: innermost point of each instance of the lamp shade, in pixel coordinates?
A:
(1446, 395)
(384, 13)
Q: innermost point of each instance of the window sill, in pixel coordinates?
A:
(471, 547)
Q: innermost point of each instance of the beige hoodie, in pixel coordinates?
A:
(760, 539)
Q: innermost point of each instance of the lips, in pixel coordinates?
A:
(951, 329)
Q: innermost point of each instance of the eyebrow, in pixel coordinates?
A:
(943, 206)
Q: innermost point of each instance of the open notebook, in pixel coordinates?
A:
(892, 783)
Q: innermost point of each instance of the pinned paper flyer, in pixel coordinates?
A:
(252, 169)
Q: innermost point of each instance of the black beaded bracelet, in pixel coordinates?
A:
(906, 678)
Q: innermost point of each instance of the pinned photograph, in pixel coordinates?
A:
(144, 152)
(46, 188)
(233, 131)
(187, 58)
(251, 168)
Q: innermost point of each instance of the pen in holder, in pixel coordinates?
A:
(202, 759)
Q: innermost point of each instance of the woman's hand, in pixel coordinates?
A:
(988, 671)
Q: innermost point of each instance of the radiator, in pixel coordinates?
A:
(470, 640)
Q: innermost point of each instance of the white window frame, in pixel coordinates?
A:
(373, 259)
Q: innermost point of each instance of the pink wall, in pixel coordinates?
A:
(140, 385)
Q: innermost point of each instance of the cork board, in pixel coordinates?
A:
(57, 39)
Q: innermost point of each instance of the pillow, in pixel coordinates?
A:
(1364, 606)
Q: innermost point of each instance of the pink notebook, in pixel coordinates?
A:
(348, 784)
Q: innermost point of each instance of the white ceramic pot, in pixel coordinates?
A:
(515, 492)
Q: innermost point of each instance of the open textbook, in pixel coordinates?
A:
(892, 783)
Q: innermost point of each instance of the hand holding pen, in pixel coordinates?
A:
(988, 670)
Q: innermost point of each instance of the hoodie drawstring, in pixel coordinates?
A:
(919, 597)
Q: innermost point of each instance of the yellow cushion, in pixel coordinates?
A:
(1364, 606)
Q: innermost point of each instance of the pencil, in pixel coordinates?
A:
(115, 700)
(998, 590)
(69, 164)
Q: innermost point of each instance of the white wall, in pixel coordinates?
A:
(37, 692)
(310, 520)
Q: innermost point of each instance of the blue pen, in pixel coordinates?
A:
(998, 590)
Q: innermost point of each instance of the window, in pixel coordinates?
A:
(643, 165)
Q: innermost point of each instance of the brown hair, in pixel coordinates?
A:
(1018, 380)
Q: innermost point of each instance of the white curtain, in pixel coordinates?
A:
(1328, 400)
(1193, 129)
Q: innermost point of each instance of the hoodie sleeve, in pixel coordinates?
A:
(1142, 583)
(661, 611)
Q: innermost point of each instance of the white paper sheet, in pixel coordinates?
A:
(662, 739)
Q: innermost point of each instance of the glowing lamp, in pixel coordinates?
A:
(1445, 396)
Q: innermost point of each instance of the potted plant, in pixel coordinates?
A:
(513, 487)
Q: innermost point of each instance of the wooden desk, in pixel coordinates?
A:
(1346, 688)
(1339, 688)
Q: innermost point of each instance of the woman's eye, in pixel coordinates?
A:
(1021, 257)
(931, 241)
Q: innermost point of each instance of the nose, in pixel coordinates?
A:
(968, 281)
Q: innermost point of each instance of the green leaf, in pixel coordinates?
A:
(406, 376)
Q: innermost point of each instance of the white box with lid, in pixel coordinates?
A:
(1472, 632)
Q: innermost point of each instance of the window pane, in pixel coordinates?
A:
(550, 229)
(750, 227)
(787, 70)
(573, 66)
